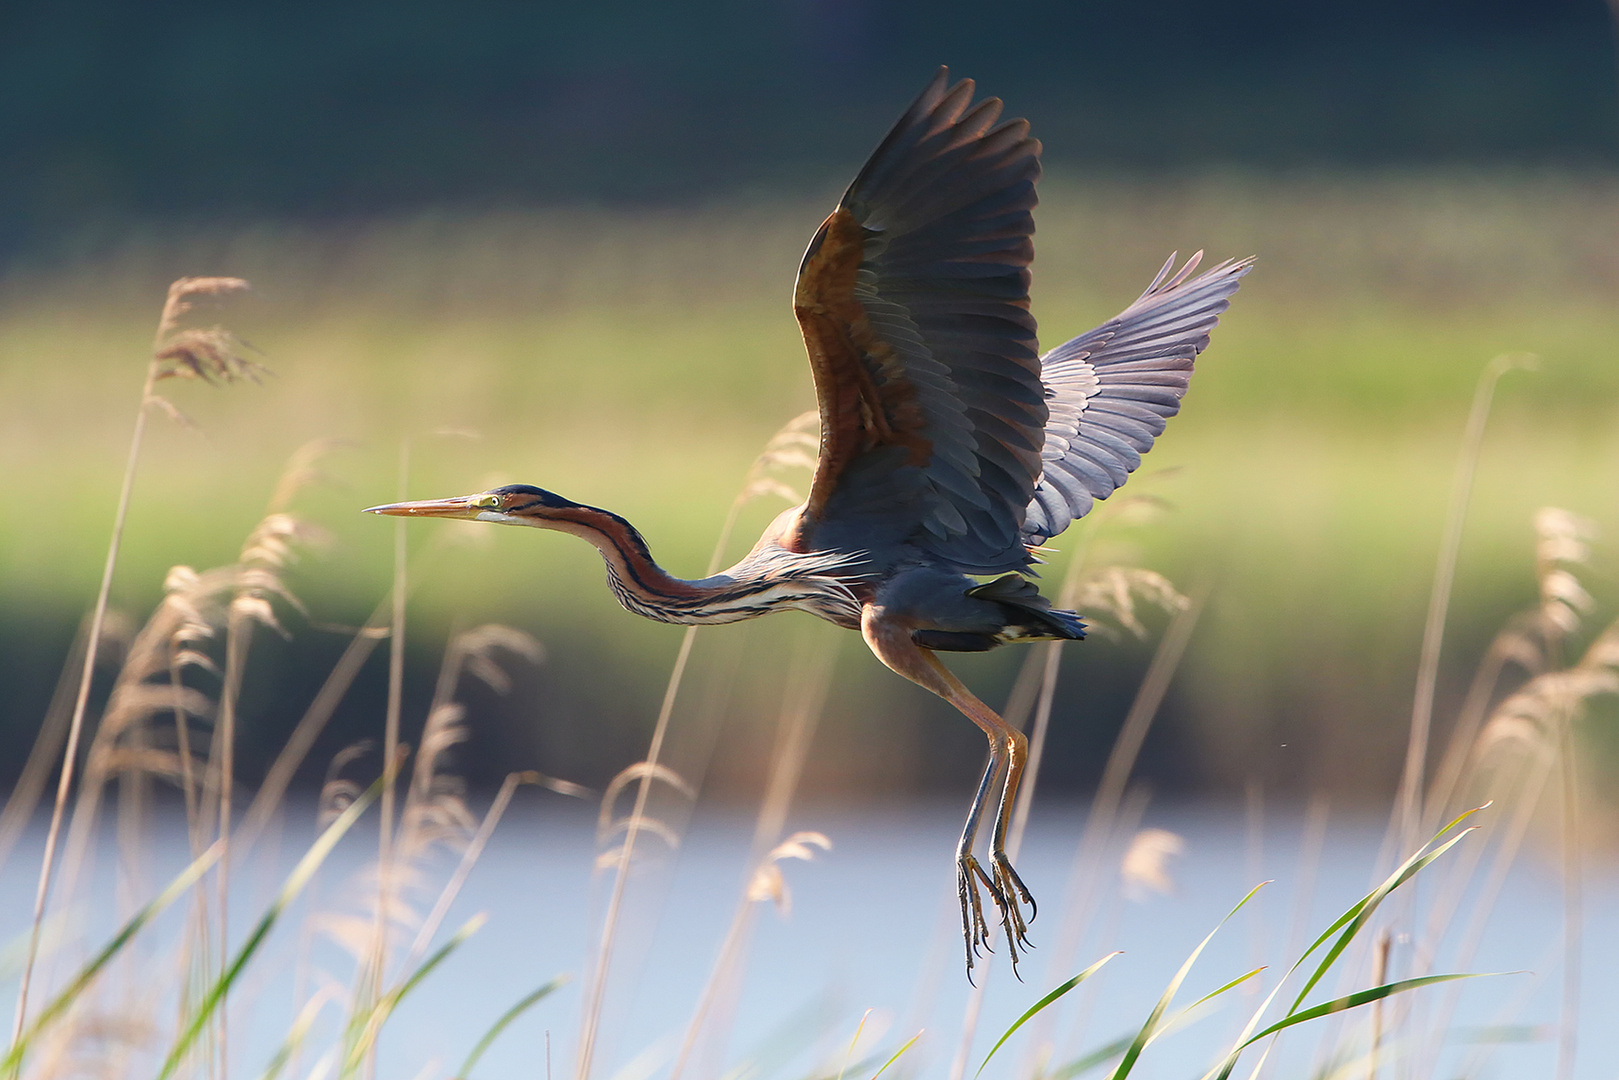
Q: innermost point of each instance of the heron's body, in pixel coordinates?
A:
(950, 447)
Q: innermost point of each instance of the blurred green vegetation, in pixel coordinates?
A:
(639, 359)
(239, 109)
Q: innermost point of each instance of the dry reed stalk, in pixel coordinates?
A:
(1312, 843)
(1380, 970)
(1526, 642)
(1543, 709)
(1131, 811)
(434, 816)
(208, 354)
(1404, 832)
(1254, 799)
(269, 549)
(1536, 717)
(42, 757)
(191, 600)
(390, 752)
(597, 981)
(1573, 897)
(786, 449)
(182, 743)
(238, 638)
(434, 811)
(1513, 645)
(296, 749)
(1561, 542)
(1408, 809)
(168, 644)
(1099, 824)
(452, 889)
(803, 700)
(149, 686)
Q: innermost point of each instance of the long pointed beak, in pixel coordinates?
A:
(462, 506)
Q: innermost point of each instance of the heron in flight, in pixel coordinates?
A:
(949, 449)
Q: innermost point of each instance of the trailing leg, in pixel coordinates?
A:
(890, 639)
(969, 873)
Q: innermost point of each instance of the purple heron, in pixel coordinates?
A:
(949, 446)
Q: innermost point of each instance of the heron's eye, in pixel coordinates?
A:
(491, 501)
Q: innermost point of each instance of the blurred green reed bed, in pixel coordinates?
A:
(637, 359)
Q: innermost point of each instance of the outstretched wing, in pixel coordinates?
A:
(1110, 391)
(914, 304)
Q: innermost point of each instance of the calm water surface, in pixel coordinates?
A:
(872, 926)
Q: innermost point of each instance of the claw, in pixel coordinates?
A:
(1009, 889)
(974, 929)
(1007, 892)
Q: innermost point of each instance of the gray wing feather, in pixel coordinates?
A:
(1110, 391)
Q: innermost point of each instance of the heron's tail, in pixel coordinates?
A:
(1030, 616)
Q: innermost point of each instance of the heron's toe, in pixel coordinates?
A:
(975, 930)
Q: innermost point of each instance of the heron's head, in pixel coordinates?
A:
(514, 504)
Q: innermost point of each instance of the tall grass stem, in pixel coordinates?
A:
(372, 980)
(590, 1022)
(1573, 897)
(238, 637)
(36, 771)
(803, 701)
(64, 781)
(1409, 805)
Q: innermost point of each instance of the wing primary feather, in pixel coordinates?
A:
(1111, 390)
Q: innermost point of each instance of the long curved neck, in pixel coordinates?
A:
(635, 577)
(770, 577)
(645, 588)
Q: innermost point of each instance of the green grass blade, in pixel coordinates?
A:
(897, 1055)
(1350, 1001)
(367, 1029)
(1144, 1036)
(294, 884)
(506, 1018)
(1247, 1039)
(1100, 1056)
(1233, 984)
(87, 974)
(1355, 918)
(1122, 1043)
(1036, 1008)
(858, 1028)
(295, 1037)
(1359, 915)
(1223, 1071)
(1399, 877)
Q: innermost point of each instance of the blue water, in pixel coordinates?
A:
(872, 927)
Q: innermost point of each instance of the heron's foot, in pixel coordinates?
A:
(1009, 891)
(969, 875)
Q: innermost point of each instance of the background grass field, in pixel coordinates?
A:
(638, 359)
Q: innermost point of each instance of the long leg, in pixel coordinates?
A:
(1006, 878)
(890, 638)
(969, 873)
